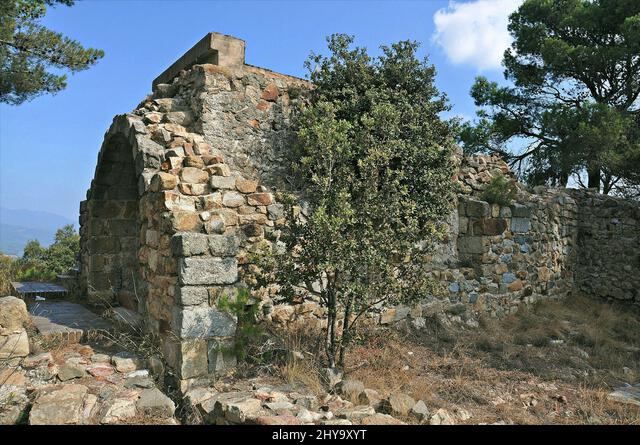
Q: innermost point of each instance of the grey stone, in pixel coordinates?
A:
(187, 244)
(222, 182)
(520, 211)
(191, 295)
(203, 322)
(70, 371)
(398, 404)
(139, 382)
(420, 410)
(520, 225)
(275, 211)
(58, 405)
(153, 402)
(223, 245)
(477, 208)
(208, 270)
(471, 245)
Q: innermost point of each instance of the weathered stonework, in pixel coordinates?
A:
(178, 200)
(185, 189)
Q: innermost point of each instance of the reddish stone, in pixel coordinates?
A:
(515, 286)
(270, 93)
(254, 123)
(101, 371)
(260, 199)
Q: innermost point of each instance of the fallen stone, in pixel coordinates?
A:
(100, 370)
(13, 404)
(12, 377)
(397, 404)
(15, 344)
(58, 405)
(442, 417)
(138, 382)
(13, 313)
(153, 402)
(70, 371)
(36, 360)
(355, 413)
(628, 395)
(370, 397)
(100, 358)
(125, 362)
(420, 411)
(117, 410)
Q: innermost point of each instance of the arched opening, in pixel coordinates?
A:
(111, 227)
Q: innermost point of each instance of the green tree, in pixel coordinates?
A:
(574, 74)
(39, 263)
(374, 162)
(27, 50)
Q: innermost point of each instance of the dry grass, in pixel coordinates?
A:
(554, 362)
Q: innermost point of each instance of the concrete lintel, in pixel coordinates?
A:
(218, 49)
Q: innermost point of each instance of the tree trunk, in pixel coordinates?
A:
(345, 338)
(594, 177)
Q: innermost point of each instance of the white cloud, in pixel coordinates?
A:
(476, 32)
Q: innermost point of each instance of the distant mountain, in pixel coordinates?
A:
(17, 227)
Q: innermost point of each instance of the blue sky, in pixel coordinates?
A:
(48, 147)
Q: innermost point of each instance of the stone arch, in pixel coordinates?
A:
(110, 230)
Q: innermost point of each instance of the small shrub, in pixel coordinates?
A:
(243, 308)
(500, 191)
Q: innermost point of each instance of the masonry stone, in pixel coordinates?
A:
(187, 187)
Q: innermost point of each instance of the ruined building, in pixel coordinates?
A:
(185, 185)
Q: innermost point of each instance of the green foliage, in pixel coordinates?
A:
(27, 50)
(244, 309)
(500, 191)
(41, 264)
(374, 160)
(574, 69)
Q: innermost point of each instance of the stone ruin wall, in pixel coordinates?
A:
(185, 189)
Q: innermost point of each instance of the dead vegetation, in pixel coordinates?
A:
(552, 362)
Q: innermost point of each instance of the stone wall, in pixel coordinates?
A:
(608, 242)
(177, 205)
(185, 189)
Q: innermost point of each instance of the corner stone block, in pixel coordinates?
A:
(191, 295)
(202, 322)
(223, 245)
(187, 244)
(203, 271)
(187, 357)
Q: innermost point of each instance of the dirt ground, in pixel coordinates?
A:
(554, 362)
